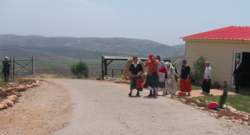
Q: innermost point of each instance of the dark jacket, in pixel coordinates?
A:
(135, 70)
(240, 70)
(6, 66)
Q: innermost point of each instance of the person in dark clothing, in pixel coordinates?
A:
(239, 70)
(135, 72)
(185, 81)
(6, 69)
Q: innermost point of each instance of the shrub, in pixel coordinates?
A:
(122, 77)
(80, 69)
(198, 70)
(223, 98)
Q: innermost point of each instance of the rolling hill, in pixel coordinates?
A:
(84, 48)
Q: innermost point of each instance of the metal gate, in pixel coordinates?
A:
(23, 67)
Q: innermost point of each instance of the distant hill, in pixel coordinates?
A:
(182, 46)
(84, 47)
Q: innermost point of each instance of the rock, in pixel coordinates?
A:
(245, 123)
(3, 106)
(213, 111)
(2, 92)
(8, 102)
(12, 98)
(233, 110)
(201, 108)
(224, 106)
(9, 89)
(245, 118)
(224, 117)
(193, 104)
(215, 115)
(98, 78)
(240, 121)
(230, 125)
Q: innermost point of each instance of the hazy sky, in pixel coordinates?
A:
(162, 21)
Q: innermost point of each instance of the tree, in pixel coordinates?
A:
(223, 98)
(80, 69)
(198, 70)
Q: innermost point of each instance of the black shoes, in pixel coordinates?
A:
(130, 94)
(138, 94)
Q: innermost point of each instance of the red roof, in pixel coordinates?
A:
(231, 32)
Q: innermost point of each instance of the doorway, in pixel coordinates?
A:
(245, 79)
(245, 60)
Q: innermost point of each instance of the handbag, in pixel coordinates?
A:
(138, 82)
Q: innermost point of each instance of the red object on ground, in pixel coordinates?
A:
(187, 101)
(182, 94)
(213, 105)
(138, 83)
(185, 86)
(231, 32)
(143, 84)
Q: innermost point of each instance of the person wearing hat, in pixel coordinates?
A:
(152, 81)
(161, 84)
(6, 69)
(185, 81)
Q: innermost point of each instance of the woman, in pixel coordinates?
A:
(185, 81)
(162, 73)
(135, 71)
(152, 82)
(170, 81)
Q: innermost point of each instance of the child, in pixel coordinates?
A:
(162, 73)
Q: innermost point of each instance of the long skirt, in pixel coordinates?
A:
(152, 81)
(206, 85)
(133, 83)
(185, 86)
(171, 85)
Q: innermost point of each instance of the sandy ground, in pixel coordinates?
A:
(40, 111)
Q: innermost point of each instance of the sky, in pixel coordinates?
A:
(162, 21)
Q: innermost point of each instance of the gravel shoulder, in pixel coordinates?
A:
(41, 110)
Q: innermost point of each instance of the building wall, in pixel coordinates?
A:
(220, 53)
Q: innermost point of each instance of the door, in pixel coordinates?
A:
(237, 55)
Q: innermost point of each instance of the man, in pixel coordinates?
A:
(238, 71)
(207, 79)
(6, 69)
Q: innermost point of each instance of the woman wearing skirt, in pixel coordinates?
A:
(135, 72)
(185, 81)
(152, 82)
(171, 82)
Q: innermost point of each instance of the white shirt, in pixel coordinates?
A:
(208, 72)
(135, 64)
(237, 66)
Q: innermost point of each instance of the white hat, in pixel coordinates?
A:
(6, 57)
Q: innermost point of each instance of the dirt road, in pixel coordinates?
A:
(86, 107)
(104, 108)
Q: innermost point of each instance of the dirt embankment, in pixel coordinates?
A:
(40, 110)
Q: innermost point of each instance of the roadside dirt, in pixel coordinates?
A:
(41, 110)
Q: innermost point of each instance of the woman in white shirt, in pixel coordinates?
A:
(207, 79)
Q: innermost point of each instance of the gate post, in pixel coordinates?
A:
(13, 68)
(33, 65)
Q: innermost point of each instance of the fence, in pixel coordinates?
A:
(115, 72)
(23, 67)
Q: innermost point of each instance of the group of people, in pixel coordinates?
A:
(6, 69)
(164, 76)
(160, 75)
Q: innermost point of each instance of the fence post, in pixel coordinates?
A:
(112, 72)
(121, 71)
(13, 68)
(33, 65)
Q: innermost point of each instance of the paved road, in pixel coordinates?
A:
(103, 108)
